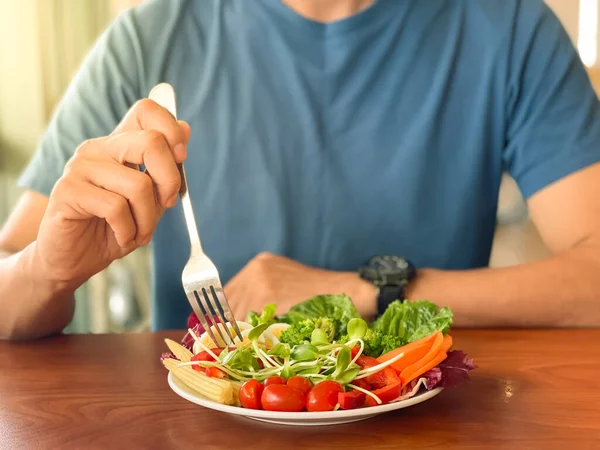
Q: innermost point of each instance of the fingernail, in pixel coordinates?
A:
(180, 151)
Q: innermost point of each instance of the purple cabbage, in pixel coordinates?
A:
(451, 372)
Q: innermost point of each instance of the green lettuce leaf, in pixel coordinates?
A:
(411, 321)
(267, 316)
(337, 307)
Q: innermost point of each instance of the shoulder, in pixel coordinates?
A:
(512, 19)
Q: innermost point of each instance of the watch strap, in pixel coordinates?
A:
(388, 294)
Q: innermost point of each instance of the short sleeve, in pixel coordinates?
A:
(553, 113)
(103, 90)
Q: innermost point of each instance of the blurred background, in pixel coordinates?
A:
(42, 43)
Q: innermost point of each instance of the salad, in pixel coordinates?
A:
(322, 356)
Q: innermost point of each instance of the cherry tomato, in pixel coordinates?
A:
(302, 384)
(324, 396)
(281, 397)
(351, 400)
(250, 393)
(215, 372)
(386, 394)
(354, 351)
(274, 380)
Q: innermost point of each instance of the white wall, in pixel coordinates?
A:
(568, 12)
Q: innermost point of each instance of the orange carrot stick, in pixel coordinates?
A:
(431, 354)
(407, 376)
(447, 343)
(406, 349)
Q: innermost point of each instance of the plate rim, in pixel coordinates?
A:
(304, 415)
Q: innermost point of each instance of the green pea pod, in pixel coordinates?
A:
(305, 352)
(257, 331)
(357, 328)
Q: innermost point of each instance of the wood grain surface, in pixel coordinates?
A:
(534, 389)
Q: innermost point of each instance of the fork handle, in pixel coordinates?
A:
(164, 95)
(188, 213)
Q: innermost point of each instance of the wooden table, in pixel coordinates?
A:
(533, 389)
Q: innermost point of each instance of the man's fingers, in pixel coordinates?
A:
(89, 201)
(149, 115)
(137, 187)
(140, 147)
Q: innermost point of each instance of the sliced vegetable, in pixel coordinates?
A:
(413, 352)
(386, 394)
(214, 372)
(351, 400)
(383, 378)
(407, 375)
(447, 343)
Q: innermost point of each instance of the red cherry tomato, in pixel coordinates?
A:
(274, 380)
(281, 397)
(323, 396)
(386, 394)
(302, 384)
(354, 351)
(351, 400)
(250, 393)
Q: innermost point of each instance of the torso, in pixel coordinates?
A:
(381, 134)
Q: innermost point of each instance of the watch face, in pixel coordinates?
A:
(390, 270)
(388, 264)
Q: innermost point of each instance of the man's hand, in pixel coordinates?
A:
(270, 278)
(103, 207)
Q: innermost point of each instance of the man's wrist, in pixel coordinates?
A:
(363, 294)
(28, 266)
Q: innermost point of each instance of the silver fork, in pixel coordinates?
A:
(200, 277)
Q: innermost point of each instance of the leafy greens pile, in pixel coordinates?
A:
(400, 324)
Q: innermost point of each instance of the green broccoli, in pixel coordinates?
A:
(300, 332)
(376, 343)
(328, 326)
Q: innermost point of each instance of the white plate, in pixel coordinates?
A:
(299, 418)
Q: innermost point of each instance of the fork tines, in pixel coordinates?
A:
(210, 306)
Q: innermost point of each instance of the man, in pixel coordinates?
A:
(322, 134)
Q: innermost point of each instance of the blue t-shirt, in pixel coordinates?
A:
(384, 133)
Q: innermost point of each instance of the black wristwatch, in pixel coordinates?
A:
(391, 274)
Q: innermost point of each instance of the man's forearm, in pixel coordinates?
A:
(31, 306)
(561, 291)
